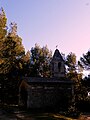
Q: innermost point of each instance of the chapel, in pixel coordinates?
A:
(54, 92)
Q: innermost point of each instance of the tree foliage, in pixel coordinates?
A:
(40, 61)
(26, 64)
(74, 73)
(3, 20)
(3, 32)
(11, 52)
(85, 61)
(71, 62)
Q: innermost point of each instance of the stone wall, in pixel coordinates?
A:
(43, 93)
(49, 95)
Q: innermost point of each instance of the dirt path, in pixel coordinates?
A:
(85, 116)
(19, 115)
(23, 115)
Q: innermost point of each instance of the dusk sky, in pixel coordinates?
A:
(65, 23)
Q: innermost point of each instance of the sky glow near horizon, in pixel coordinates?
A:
(65, 23)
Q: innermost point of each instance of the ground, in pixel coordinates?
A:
(40, 116)
(18, 114)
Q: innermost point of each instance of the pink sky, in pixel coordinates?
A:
(65, 23)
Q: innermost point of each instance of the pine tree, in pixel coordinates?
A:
(40, 61)
(85, 61)
(11, 52)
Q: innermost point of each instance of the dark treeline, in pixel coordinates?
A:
(15, 63)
